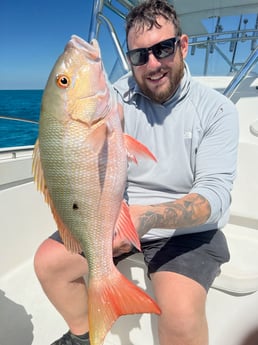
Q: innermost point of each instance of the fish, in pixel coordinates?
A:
(80, 163)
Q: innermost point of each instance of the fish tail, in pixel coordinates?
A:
(112, 297)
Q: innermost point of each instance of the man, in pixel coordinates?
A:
(178, 204)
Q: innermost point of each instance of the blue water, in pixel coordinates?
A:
(23, 104)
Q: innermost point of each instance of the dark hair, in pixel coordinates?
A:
(145, 15)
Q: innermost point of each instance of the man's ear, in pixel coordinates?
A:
(184, 45)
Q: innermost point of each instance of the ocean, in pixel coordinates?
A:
(24, 104)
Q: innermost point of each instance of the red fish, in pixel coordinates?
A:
(80, 164)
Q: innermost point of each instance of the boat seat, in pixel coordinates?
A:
(240, 274)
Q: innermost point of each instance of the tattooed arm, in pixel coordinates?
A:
(191, 210)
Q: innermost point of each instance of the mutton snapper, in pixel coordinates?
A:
(80, 164)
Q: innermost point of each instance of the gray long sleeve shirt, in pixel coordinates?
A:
(194, 136)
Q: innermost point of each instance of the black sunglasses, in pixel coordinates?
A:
(161, 50)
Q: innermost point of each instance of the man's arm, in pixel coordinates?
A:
(189, 211)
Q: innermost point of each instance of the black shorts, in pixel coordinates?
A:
(197, 256)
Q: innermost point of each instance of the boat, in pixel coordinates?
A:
(26, 315)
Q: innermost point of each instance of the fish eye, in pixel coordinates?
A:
(62, 81)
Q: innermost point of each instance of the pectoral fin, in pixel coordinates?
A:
(135, 148)
(98, 137)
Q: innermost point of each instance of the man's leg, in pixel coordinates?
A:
(61, 276)
(182, 302)
(182, 270)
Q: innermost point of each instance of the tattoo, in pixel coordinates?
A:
(191, 210)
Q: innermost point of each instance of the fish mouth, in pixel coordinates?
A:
(91, 50)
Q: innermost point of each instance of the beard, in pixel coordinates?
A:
(162, 94)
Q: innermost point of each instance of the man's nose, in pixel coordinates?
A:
(153, 61)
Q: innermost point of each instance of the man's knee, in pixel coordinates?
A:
(186, 328)
(52, 261)
(182, 301)
(43, 261)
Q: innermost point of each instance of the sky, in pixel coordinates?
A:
(33, 34)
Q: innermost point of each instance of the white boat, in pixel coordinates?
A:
(26, 315)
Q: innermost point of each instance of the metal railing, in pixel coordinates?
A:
(242, 73)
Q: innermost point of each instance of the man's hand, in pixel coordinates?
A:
(120, 248)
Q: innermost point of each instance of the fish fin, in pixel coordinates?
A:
(69, 240)
(111, 297)
(97, 137)
(124, 227)
(121, 114)
(37, 170)
(38, 173)
(135, 148)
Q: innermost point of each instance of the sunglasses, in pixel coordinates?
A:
(161, 50)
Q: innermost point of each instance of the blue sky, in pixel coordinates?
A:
(33, 33)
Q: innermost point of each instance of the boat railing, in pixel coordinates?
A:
(211, 41)
(98, 19)
(116, 41)
(240, 75)
(17, 161)
(16, 152)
